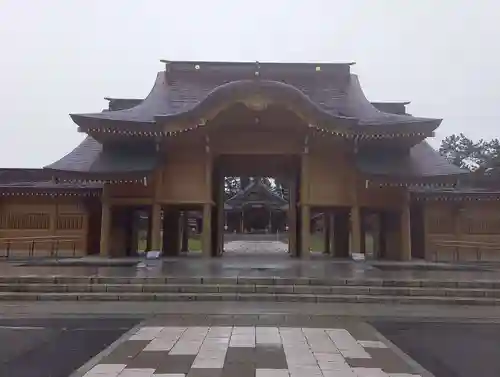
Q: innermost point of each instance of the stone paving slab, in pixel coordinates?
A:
(345, 349)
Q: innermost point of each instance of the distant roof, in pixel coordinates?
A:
(187, 89)
(255, 193)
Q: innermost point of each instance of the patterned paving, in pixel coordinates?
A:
(244, 351)
(255, 247)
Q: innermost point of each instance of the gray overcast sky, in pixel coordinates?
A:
(62, 56)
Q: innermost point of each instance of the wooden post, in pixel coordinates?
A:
(53, 217)
(327, 227)
(185, 232)
(3, 216)
(292, 219)
(356, 231)
(206, 236)
(305, 210)
(305, 238)
(148, 231)
(406, 230)
(332, 233)
(221, 214)
(156, 227)
(104, 250)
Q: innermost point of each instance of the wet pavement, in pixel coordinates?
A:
(221, 347)
(448, 349)
(257, 265)
(54, 347)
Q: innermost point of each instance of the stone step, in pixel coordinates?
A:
(256, 297)
(244, 289)
(404, 283)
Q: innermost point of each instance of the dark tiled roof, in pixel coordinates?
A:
(90, 158)
(122, 103)
(334, 95)
(23, 175)
(456, 193)
(422, 161)
(387, 107)
(255, 193)
(392, 107)
(38, 180)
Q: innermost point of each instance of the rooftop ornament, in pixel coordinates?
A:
(257, 69)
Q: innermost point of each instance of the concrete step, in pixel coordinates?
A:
(250, 288)
(257, 297)
(276, 281)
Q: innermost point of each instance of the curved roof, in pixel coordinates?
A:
(114, 161)
(90, 160)
(422, 161)
(336, 99)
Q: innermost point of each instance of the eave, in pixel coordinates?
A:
(53, 192)
(457, 195)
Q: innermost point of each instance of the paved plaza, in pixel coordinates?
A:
(255, 247)
(256, 351)
(241, 339)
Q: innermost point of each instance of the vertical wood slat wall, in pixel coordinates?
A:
(28, 219)
(462, 223)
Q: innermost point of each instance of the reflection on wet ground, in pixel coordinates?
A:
(258, 265)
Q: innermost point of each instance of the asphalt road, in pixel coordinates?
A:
(54, 347)
(448, 349)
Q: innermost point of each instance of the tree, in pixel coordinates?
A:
(469, 154)
(231, 186)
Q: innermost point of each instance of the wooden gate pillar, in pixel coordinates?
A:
(305, 209)
(292, 219)
(185, 232)
(105, 222)
(327, 232)
(156, 227)
(405, 232)
(305, 213)
(206, 236)
(356, 230)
